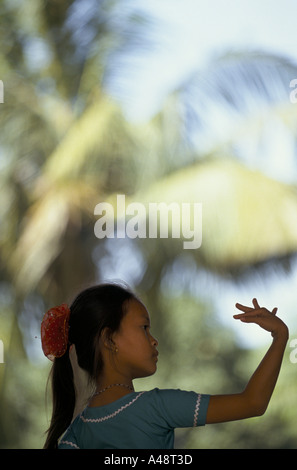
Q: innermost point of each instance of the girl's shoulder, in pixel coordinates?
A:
(101, 413)
(144, 400)
(156, 395)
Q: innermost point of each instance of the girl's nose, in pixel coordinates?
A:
(155, 341)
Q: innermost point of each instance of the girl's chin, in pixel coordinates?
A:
(147, 373)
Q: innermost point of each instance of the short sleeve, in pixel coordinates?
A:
(182, 409)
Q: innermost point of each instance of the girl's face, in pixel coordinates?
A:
(137, 349)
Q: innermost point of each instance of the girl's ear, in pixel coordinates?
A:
(106, 338)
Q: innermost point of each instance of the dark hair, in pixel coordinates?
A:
(95, 308)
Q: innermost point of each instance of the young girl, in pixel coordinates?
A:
(107, 328)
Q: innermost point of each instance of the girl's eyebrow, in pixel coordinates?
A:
(145, 317)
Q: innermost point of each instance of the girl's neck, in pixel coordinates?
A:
(108, 387)
(109, 394)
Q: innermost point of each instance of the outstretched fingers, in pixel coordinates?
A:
(246, 309)
(255, 303)
(252, 314)
(263, 317)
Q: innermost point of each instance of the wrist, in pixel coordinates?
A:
(281, 333)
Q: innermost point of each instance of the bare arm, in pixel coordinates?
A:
(254, 400)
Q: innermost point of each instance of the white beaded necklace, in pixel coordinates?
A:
(114, 385)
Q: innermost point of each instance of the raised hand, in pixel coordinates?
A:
(262, 317)
(254, 399)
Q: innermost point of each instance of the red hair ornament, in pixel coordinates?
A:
(54, 331)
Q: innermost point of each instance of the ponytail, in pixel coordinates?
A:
(63, 395)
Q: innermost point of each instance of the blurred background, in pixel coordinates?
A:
(168, 100)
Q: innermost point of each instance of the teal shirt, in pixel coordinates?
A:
(139, 420)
